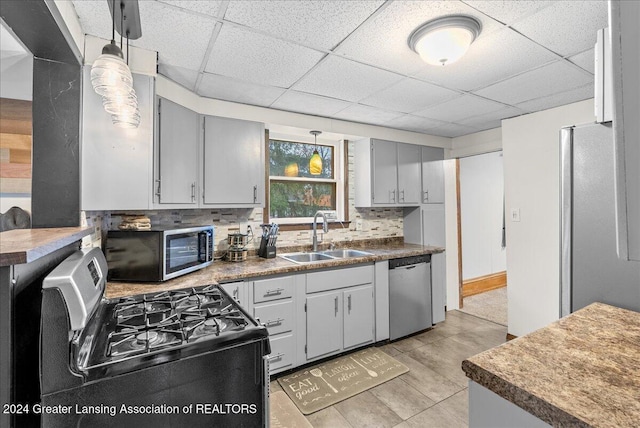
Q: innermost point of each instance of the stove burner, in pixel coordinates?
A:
(147, 338)
(215, 324)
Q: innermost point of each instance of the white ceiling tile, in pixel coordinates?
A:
(383, 40)
(413, 123)
(209, 7)
(179, 38)
(409, 95)
(558, 99)
(482, 120)
(319, 24)
(460, 108)
(585, 60)
(508, 11)
(301, 102)
(225, 88)
(366, 114)
(452, 130)
(543, 81)
(253, 57)
(566, 27)
(182, 76)
(94, 17)
(489, 59)
(347, 80)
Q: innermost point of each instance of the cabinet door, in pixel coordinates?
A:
(384, 173)
(324, 324)
(433, 227)
(237, 291)
(432, 175)
(177, 146)
(233, 162)
(358, 316)
(408, 174)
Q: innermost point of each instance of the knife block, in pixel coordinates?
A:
(266, 251)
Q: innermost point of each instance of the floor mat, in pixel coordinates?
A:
(323, 385)
(284, 414)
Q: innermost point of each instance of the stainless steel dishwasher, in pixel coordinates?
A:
(409, 295)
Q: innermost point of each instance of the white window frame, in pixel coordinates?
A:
(338, 173)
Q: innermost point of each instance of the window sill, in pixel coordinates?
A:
(309, 226)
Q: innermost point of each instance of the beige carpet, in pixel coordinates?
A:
(284, 414)
(320, 386)
(491, 305)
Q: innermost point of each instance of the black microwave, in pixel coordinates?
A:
(158, 254)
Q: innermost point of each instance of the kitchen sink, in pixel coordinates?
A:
(345, 253)
(306, 257)
(323, 255)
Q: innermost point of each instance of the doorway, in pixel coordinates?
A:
(482, 252)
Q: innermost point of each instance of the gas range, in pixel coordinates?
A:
(177, 347)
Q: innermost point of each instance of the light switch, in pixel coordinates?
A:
(515, 214)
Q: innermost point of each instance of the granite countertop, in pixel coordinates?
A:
(253, 267)
(26, 245)
(583, 370)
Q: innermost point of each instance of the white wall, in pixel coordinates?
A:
(481, 199)
(451, 234)
(16, 76)
(476, 143)
(532, 182)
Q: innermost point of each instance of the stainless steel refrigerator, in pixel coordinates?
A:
(590, 268)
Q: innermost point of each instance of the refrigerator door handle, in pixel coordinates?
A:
(566, 198)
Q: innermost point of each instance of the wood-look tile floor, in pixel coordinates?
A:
(434, 391)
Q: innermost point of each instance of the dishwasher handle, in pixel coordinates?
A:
(409, 261)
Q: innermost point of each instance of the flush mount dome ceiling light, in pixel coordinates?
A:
(445, 40)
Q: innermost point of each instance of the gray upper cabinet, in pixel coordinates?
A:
(177, 136)
(432, 175)
(233, 162)
(408, 174)
(386, 173)
(116, 164)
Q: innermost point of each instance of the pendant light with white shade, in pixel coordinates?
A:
(445, 40)
(111, 78)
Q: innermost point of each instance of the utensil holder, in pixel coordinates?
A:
(266, 251)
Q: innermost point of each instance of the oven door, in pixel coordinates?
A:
(186, 250)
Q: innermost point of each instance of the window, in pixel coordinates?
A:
(294, 193)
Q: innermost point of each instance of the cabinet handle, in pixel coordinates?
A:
(255, 194)
(193, 192)
(159, 181)
(349, 303)
(273, 322)
(401, 195)
(235, 294)
(275, 357)
(393, 196)
(425, 198)
(273, 292)
(335, 301)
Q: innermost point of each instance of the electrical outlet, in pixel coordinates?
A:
(515, 214)
(359, 224)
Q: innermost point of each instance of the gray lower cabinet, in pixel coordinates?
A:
(358, 316)
(274, 306)
(339, 310)
(237, 290)
(324, 324)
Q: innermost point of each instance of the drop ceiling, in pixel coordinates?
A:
(350, 60)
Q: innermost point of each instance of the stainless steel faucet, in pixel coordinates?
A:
(325, 228)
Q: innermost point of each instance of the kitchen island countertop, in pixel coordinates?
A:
(26, 245)
(254, 267)
(582, 370)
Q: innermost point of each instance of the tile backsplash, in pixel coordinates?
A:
(376, 222)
